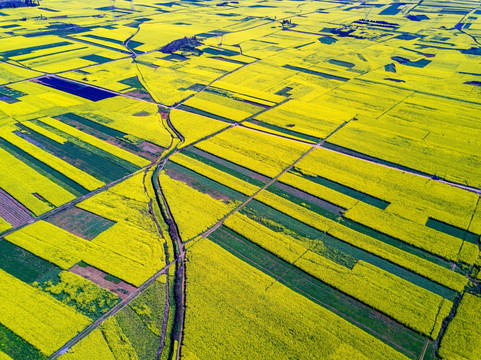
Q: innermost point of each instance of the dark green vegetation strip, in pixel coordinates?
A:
(96, 58)
(173, 58)
(419, 64)
(272, 216)
(317, 73)
(142, 320)
(333, 250)
(391, 268)
(343, 189)
(221, 58)
(317, 205)
(469, 73)
(95, 44)
(288, 222)
(286, 131)
(60, 30)
(341, 63)
(209, 34)
(80, 222)
(42, 168)
(337, 250)
(90, 123)
(278, 221)
(455, 11)
(204, 113)
(204, 184)
(144, 341)
(301, 46)
(132, 44)
(28, 50)
(110, 135)
(360, 155)
(223, 52)
(24, 265)
(375, 323)
(92, 160)
(53, 53)
(395, 242)
(17, 348)
(254, 107)
(393, 9)
(113, 41)
(238, 96)
(135, 83)
(243, 173)
(453, 231)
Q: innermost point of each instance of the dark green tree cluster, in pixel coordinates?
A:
(187, 44)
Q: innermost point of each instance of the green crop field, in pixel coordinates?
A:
(275, 179)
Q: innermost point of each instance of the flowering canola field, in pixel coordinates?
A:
(240, 180)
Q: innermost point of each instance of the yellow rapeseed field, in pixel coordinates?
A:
(230, 307)
(72, 172)
(215, 174)
(93, 347)
(111, 149)
(193, 211)
(36, 316)
(463, 335)
(266, 154)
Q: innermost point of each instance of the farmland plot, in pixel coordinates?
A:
(255, 179)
